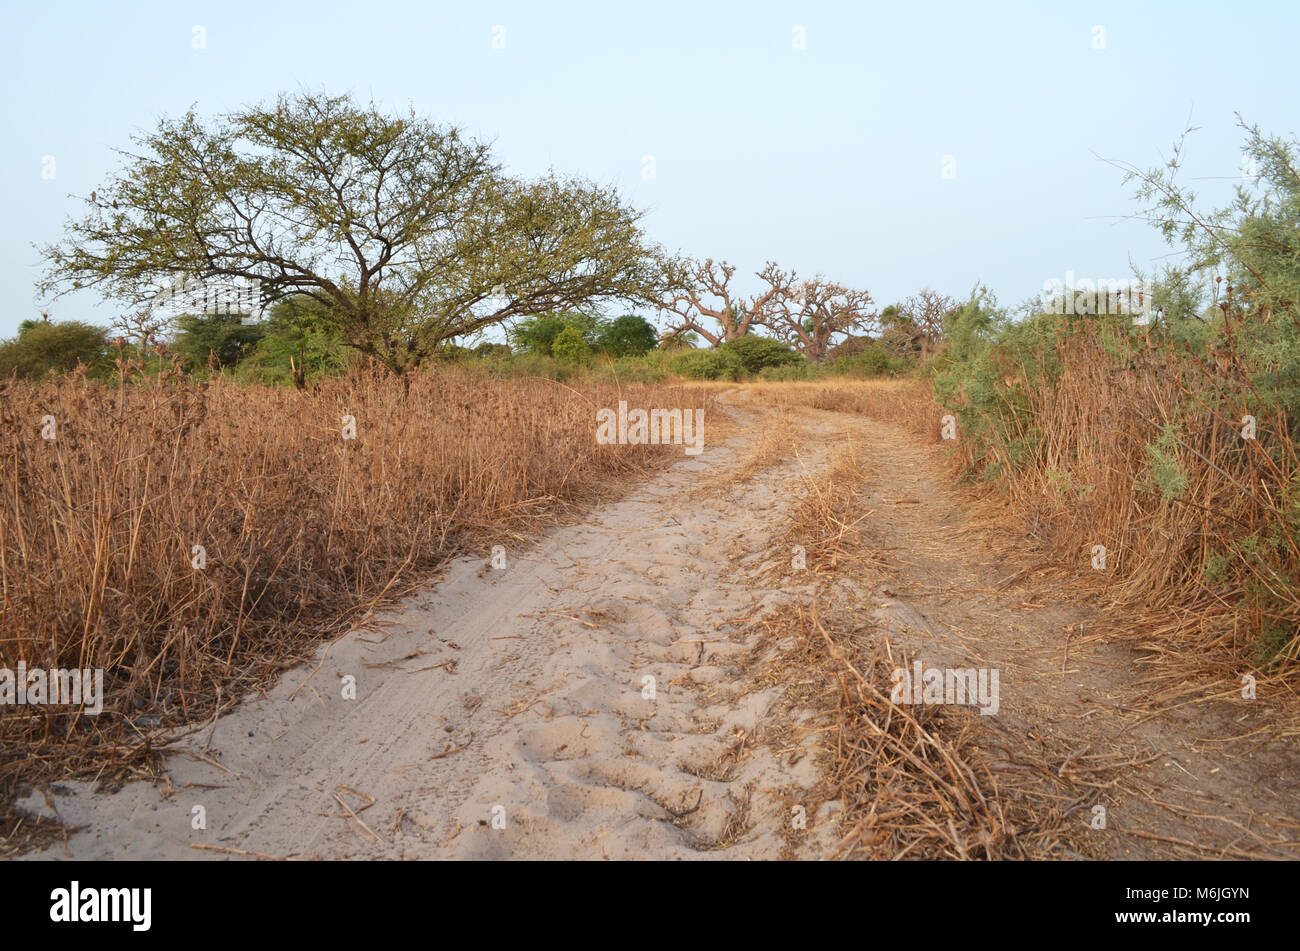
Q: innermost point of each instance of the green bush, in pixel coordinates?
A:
(676, 343)
(296, 329)
(756, 353)
(793, 371)
(223, 339)
(41, 347)
(527, 364)
(868, 359)
(629, 335)
(708, 365)
(570, 346)
(452, 352)
(539, 334)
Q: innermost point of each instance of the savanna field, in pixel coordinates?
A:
(300, 527)
(656, 439)
(315, 507)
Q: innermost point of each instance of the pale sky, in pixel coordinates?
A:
(813, 134)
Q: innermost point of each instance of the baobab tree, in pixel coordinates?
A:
(703, 302)
(926, 311)
(810, 314)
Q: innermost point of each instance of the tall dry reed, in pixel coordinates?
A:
(194, 538)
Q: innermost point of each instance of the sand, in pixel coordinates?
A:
(505, 713)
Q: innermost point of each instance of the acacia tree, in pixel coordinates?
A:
(406, 232)
(810, 314)
(702, 301)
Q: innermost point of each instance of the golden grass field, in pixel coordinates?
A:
(304, 532)
(301, 529)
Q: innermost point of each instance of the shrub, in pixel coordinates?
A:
(793, 371)
(646, 368)
(539, 334)
(41, 347)
(755, 353)
(223, 339)
(708, 365)
(629, 335)
(570, 346)
(296, 333)
(867, 358)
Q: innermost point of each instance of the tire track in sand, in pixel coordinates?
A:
(514, 694)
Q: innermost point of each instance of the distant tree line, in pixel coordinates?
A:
(396, 239)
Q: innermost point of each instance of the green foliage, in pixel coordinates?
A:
(494, 351)
(528, 365)
(708, 365)
(1216, 569)
(755, 353)
(296, 329)
(1255, 243)
(682, 341)
(571, 346)
(793, 371)
(493, 361)
(286, 194)
(453, 352)
(219, 339)
(537, 334)
(971, 328)
(966, 374)
(1272, 641)
(628, 335)
(868, 359)
(1164, 469)
(1240, 354)
(643, 368)
(42, 347)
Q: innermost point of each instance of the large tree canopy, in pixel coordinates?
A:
(407, 232)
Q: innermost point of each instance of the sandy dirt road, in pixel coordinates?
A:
(589, 700)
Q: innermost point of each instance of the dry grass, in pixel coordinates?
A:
(773, 445)
(303, 529)
(911, 783)
(905, 403)
(919, 782)
(829, 519)
(1090, 479)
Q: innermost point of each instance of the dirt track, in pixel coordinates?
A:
(504, 713)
